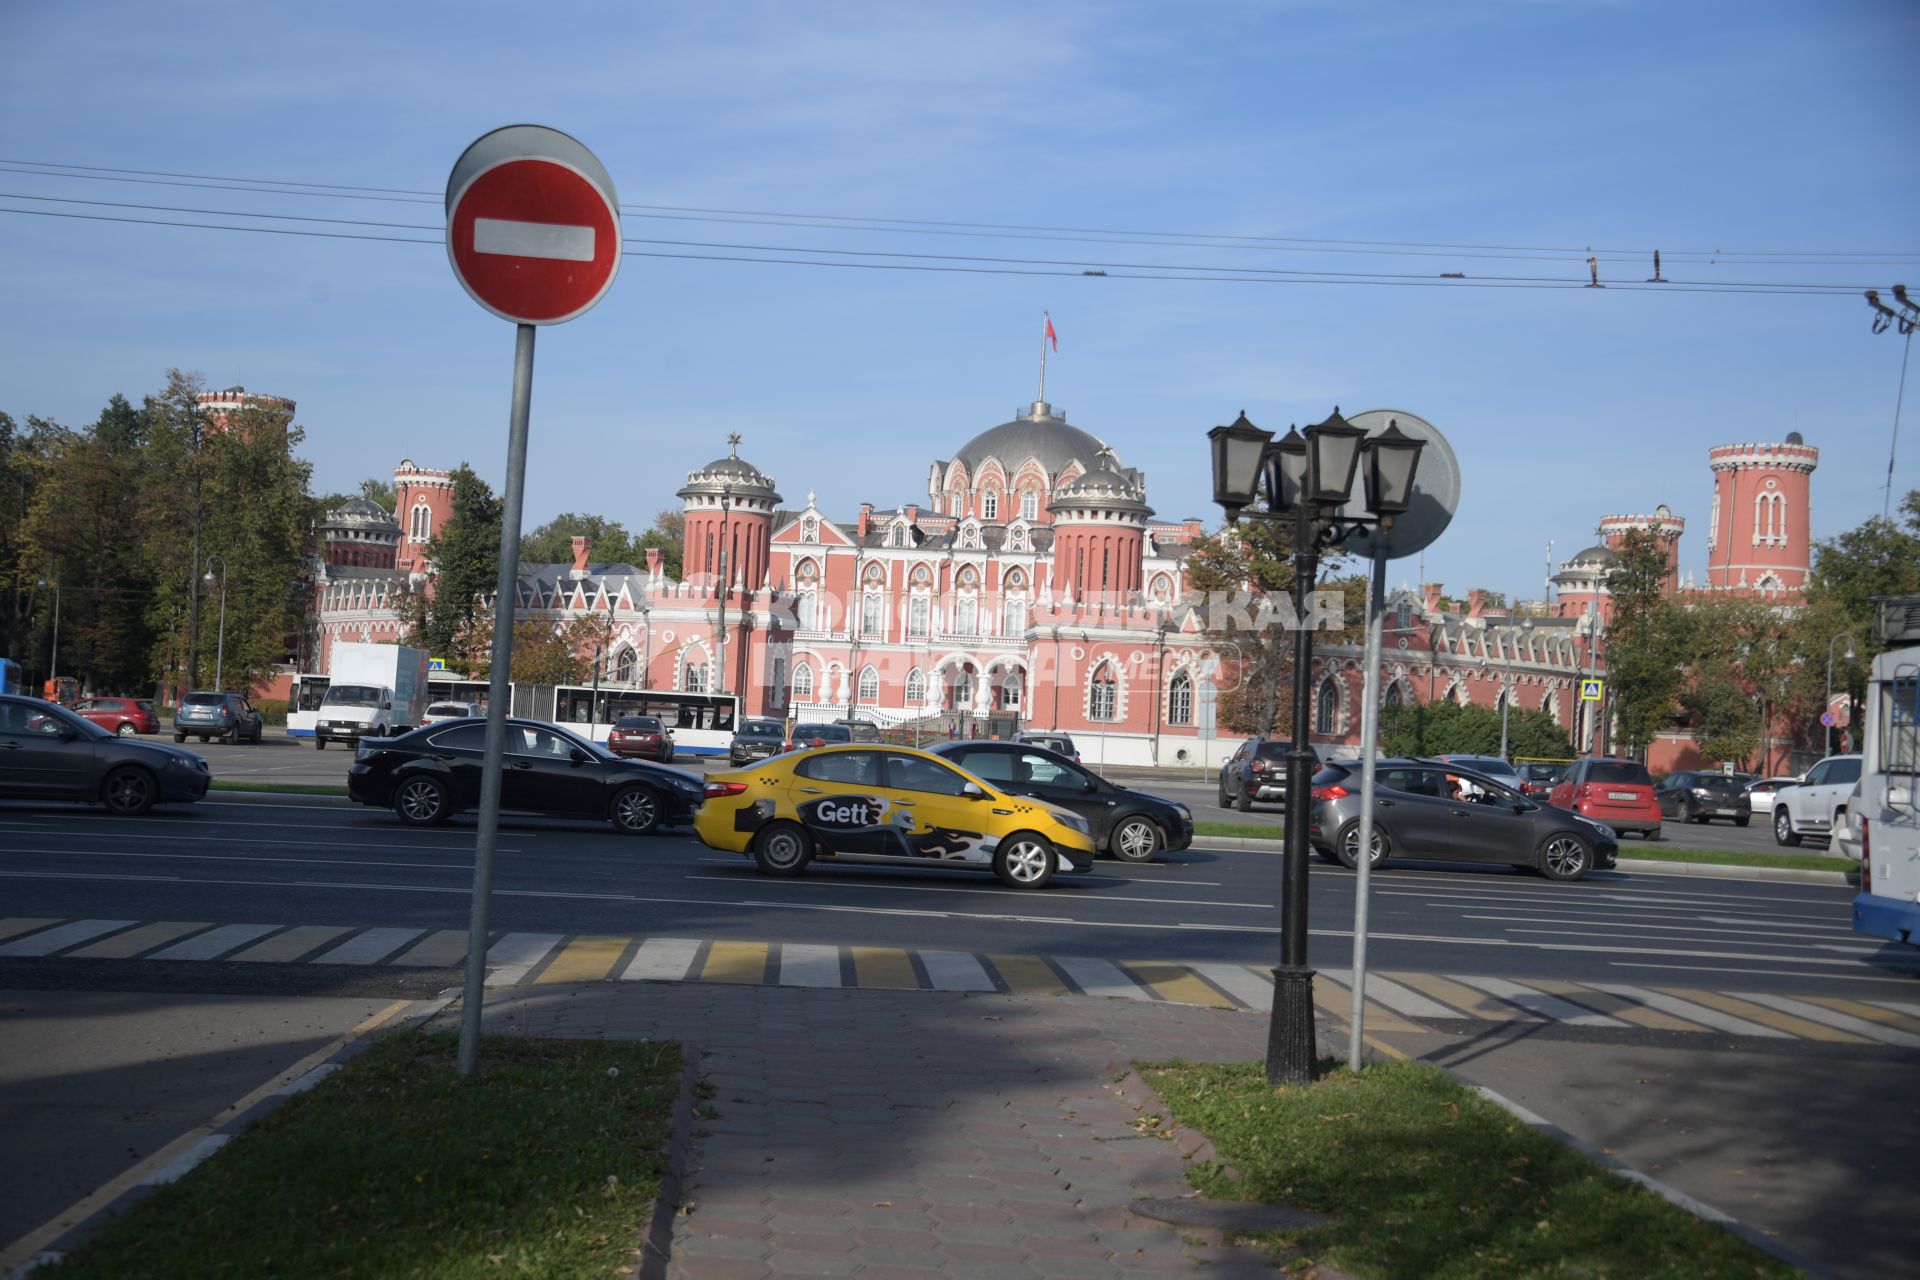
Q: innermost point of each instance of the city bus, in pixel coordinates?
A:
(1886, 814)
(702, 723)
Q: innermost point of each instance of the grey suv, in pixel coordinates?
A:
(1422, 811)
(1256, 771)
(225, 716)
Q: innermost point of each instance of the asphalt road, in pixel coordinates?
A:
(330, 863)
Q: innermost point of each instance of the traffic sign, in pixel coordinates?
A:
(1829, 719)
(533, 225)
(1592, 690)
(1436, 490)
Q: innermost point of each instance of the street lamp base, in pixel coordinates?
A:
(1291, 1048)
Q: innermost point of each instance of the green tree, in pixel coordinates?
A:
(552, 542)
(1736, 646)
(1644, 642)
(374, 489)
(465, 554)
(667, 534)
(1446, 727)
(177, 431)
(1236, 577)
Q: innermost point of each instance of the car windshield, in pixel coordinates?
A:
(1274, 750)
(46, 718)
(449, 709)
(1619, 773)
(760, 729)
(202, 700)
(351, 695)
(1720, 782)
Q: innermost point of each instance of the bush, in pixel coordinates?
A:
(1446, 728)
(272, 710)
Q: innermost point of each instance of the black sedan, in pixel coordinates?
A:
(756, 740)
(430, 774)
(1131, 825)
(1702, 797)
(49, 753)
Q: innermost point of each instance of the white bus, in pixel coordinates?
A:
(1887, 814)
(303, 702)
(702, 723)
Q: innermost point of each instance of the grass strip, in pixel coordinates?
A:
(291, 788)
(543, 1163)
(1731, 858)
(1426, 1179)
(1243, 830)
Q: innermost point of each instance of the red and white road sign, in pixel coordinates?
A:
(533, 225)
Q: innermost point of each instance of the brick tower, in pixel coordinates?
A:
(422, 503)
(1757, 538)
(1664, 525)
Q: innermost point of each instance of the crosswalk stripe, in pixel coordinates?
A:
(1754, 1011)
(215, 943)
(1465, 1000)
(1335, 995)
(803, 965)
(1618, 1006)
(1027, 976)
(955, 971)
(585, 959)
(510, 959)
(1839, 1021)
(1240, 982)
(884, 967)
(662, 960)
(15, 925)
(1862, 1009)
(441, 949)
(66, 935)
(292, 944)
(1175, 984)
(370, 947)
(1100, 977)
(1384, 991)
(1899, 1006)
(1549, 1006)
(123, 946)
(1690, 1011)
(743, 962)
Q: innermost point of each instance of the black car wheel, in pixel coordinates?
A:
(636, 810)
(1565, 856)
(319, 743)
(126, 729)
(1226, 801)
(421, 801)
(129, 792)
(782, 849)
(179, 737)
(1242, 799)
(1783, 832)
(1347, 846)
(230, 738)
(1024, 861)
(1691, 812)
(1743, 819)
(1136, 839)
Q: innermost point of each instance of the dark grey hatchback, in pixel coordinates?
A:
(1427, 809)
(49, 753)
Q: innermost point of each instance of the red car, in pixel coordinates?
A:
(1616, 792)
(124, 716)
(641, 736)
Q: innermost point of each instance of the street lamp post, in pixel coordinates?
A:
(1506, 695)
(1308, 479)
(1826, 707)
(220, 652)
(646, 662)
(53, 660)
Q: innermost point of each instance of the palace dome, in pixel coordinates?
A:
(1040, 432)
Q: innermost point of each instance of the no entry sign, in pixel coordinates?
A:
(533, 225)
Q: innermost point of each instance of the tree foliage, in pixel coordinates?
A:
(1234, 577)
(1446, 727)
(1644, 642)
(465, 555)
(552, 542)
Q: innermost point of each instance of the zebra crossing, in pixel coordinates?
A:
(1396, 1000)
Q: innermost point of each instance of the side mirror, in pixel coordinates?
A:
(579, 756)
(972, 791)
(1089, 783)
(386, 706)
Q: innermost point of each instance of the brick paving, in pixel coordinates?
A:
(903, 1134)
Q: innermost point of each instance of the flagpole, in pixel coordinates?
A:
(1044, 319)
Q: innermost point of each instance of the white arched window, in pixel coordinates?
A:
(1770, 519)
(918, 611)
(1029, 504)
(966, 616)
(802, 682)
(1326, 711)
(990, 505)
(420, 523)
(916, 687)
(1103, 698)
(623, 665)
(1393, 699)
(1010, 686)
(869, 684)
(693, 679)
(870, 606)
(1013, 617)
(1180, 698)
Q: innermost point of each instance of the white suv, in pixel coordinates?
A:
(1814, 805)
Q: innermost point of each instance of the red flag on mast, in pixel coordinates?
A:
(1050, 335)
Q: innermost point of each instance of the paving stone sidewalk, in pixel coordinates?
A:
(909, 1134)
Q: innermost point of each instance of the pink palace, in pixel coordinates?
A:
(1031, 586)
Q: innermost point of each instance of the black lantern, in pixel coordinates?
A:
(1287, 471)
(1333, 452)
(1392, 458)
(1237, 451)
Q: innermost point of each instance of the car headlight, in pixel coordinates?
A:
(1075, 822)
(1183, 811)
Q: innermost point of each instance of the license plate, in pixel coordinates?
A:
(1621, 795)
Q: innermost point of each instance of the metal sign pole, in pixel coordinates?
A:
(1369, 749)
(497, 695)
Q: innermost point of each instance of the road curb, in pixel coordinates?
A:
(1642, 866)
(55, 1238)
(1672, 1195)
(656, 1238)
(278, 797)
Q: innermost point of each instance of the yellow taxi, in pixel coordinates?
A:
(886, 805)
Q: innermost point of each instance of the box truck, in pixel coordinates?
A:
(373, 691)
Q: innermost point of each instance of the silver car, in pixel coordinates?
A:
(1431, 809)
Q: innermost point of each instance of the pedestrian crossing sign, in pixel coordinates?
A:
(1591, 690)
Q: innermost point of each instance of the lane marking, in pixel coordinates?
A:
(803, 965)
(513, 957)
(215, 942)
(1750, 971)
(440, 949)
(1756, 1011)
(292, 944)
(1176, 985)
(1475, 1004)
(557, 241)
(662, 960)
(1240, 982)
(886, 967)
(62, 937)
(1900, 1006)
(1690, 1011)
(1098, 977)
(1845, 1023)
(1540, 1002)
(1785, 948)
(1665, 926)
(124, 946)
(369, 947)
(956, 971)
(1028, 976)
(1617, 1006)
(1383, 990)
(1336, 997)
(585, 959)
(846, 882)
(736, 962)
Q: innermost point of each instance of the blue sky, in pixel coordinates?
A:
(1531, 129)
